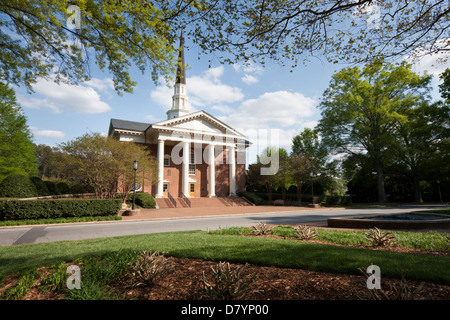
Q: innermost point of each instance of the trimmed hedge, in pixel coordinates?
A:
(17, 186)
(57, 208)
(143, 199)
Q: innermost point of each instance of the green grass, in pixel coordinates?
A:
(416, 240)
(215, 247)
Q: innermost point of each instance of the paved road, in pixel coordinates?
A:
(50, 233)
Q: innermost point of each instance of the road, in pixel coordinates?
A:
(58, 232)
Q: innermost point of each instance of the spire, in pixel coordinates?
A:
(180, 105)
(181, 71)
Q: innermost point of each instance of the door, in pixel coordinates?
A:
(192, 190)
(165, 190)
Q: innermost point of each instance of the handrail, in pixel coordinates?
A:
(174, 202)
(188, 202)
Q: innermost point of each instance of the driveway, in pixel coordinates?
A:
(182, 219)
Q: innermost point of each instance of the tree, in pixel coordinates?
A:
(301, 167)
(423, 137)
(361, 110)
(17, 152)
(353, 31)
(283, 177)
(118, 35)
(444, 88)
(107, 164)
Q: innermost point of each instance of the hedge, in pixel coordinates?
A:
(253, 197)
(57, 208)
(17, 186)
(143, 199)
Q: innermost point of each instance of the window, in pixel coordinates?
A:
(192, 164)
(166, 160)
(192, 187)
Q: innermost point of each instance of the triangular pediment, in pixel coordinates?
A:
(198, 121)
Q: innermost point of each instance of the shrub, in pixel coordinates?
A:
(304, 232)
(261, 229)
(80, 188)
(41, 188)
(143, 199)
(57, 208)
(252, 197)
(150, 268)
(63, 187)
(229, 283)
(17, 186)
(52, 188)
(380, 238)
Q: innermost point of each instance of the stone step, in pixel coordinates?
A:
(202, 202)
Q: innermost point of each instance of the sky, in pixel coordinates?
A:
(252, 99)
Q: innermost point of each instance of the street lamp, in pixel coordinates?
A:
(135, 166)
(312, 187)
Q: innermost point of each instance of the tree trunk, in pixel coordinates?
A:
(380, 180)
(283, 192)
(417, 191)
(269, 190)
(299, 191)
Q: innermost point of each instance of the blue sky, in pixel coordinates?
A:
(247, 98)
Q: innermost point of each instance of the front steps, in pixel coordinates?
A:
(202, 202)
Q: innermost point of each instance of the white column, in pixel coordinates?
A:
(232, 169)
(186, 158)
(160, 155)
(212, 172)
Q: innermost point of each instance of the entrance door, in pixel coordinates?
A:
(165, 190)
(192, 190)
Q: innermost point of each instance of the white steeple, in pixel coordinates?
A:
(179, 98)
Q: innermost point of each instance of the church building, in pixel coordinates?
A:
(198, 155)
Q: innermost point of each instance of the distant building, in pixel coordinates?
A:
(185, 146)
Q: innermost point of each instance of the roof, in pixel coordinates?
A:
(127, 125)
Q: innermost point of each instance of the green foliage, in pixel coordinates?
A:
(143, 199)
(104, 163)
(26, 280)
(18, 186)
(253, 197)
(57, 208)
(17, 151)
(63, 187)
(52, 188)
(41, 187)
(362, 109)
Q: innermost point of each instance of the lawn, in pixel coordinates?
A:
(232, 248)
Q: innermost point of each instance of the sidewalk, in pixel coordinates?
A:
(176, 213)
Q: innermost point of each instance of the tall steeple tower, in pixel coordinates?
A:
(179, 98)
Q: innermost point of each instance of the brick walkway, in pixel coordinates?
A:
(173, 213)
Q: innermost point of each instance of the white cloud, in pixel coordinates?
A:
(202, 90)
(248, 79)
(53, 134)
(251, 72)
(273, 118)
(278, 109)
(64, 97)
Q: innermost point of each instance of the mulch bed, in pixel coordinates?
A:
(272, 283)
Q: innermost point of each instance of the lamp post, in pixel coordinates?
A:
(312, 187)
(135, 166)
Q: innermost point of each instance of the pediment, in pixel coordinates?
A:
(199, 121)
